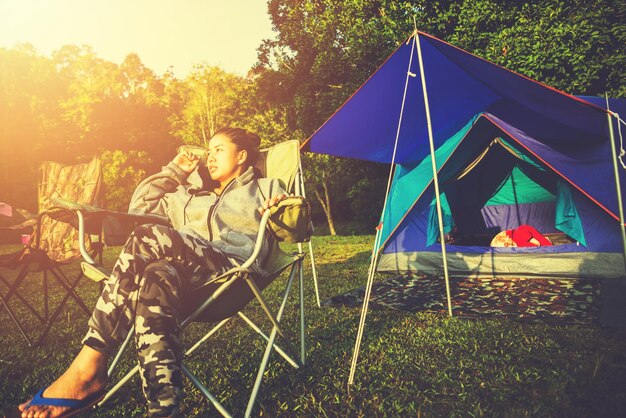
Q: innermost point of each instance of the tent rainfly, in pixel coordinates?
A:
(479, 148)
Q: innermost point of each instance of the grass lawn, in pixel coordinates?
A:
(420, 364)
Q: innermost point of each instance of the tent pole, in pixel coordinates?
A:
(366, 299)
(435, 177)
(617, 182)
(379, 230)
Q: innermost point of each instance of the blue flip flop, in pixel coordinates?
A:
(76, 405)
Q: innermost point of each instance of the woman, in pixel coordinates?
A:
(213, 211)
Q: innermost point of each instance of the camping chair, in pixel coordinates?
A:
(52, 244)
(282, 161)
(235, 289)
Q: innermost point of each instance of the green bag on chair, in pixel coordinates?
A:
(290, 220)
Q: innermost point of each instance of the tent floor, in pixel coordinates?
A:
(577, 301)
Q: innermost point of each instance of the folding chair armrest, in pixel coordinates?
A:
(23, 228)
(35, 226)
(88, 219)
(64, 210)
(25, 225)
(259, 241)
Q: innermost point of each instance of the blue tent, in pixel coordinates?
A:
(557, 143)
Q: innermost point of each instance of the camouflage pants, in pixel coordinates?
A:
(147, 288)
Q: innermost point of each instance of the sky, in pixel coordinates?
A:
(164, 33)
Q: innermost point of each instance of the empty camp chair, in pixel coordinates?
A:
(235, 289)
(51, 245)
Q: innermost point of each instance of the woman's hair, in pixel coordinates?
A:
(244, 140)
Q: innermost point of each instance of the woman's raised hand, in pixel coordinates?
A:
(272, 201)
(187, 161)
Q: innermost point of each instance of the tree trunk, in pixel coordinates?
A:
(325, 202)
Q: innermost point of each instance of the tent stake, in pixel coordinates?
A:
(617, 182)
(435, 177)
(379, 230)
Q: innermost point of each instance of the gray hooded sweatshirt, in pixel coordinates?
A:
(230, 220)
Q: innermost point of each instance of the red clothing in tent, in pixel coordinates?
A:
(523, 235)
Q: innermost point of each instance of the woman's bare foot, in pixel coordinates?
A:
(85, 376)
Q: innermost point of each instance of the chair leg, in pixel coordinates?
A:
(313, 271)
(183, 325)
(114, 363)
(135, 369)
(119, 385)
(259, 377)
(69, 287)
(269, 313)
(275, 331)
(302, 315)
(45, 295)
(121, 350)
(258, 330)
(196, 382)
(13, 292)
(17, 323)
(207, 336)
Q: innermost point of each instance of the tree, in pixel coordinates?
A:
(320, 171)
(122, 172)
(89, 80)
(30, 122)
(135, 115)
(575, 46)
(325, 49)
(211, 100)
(271, 125)
(120, 112)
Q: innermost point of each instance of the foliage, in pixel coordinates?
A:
(575, 46)
(271, 125)
(134, 116)
(410, 364)
(357, 188)
(122, 172)
(325, 49)
(88, 79)
(30, 121)
(72, 106)
(75, 104)
(211, 101)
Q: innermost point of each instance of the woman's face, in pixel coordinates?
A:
(225, 162)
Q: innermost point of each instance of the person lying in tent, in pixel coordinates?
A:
(522, 236)
(214, 227)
